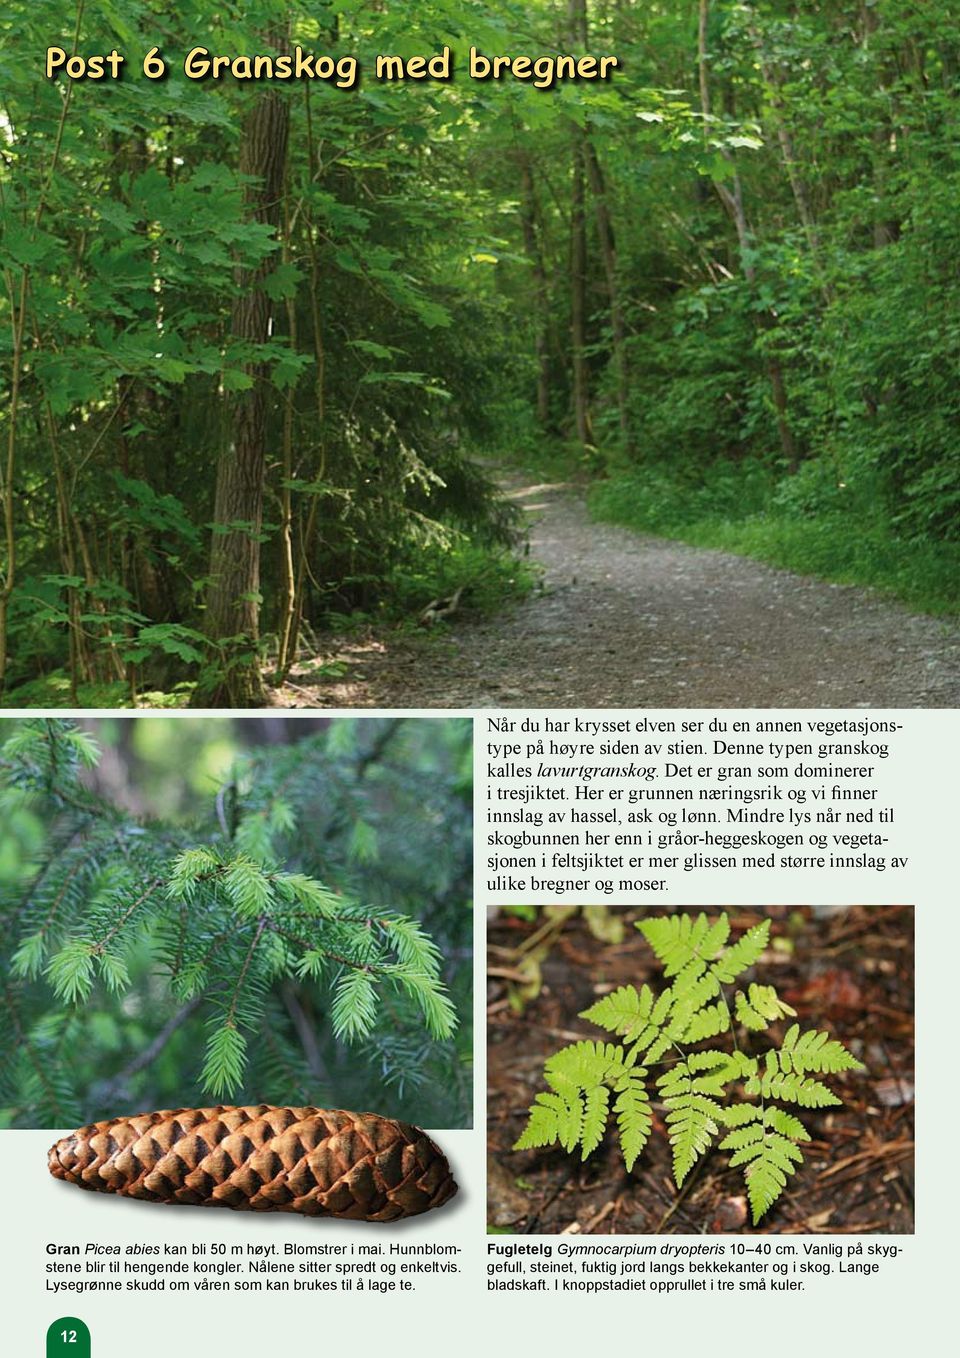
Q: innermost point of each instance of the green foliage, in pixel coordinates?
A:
(701, 1090)
(255, 936)
(742, 508)
(780, 383)
(760, 1007)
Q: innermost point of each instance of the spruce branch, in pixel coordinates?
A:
(118, 912)
(151, 889)
(117, 1088)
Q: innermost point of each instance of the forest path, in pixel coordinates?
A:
(628, 620)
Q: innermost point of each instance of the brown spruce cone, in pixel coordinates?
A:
(320, 1163)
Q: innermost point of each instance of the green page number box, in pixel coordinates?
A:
(68, 1337)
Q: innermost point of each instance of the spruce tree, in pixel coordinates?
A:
(272, 950)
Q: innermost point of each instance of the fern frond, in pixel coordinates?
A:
(815, 1051)
(768, 1149)
(783, 1075)
(544, 1123)
(743, 1136)
(742, 954)
(695, 990)
(596, 1105)
(760, 1007)
(774, 1083)
(575, 1111)
(585, 1077)
(691, 1115)
(571, 1127)
(553, 1117)
(621, 1010)
(786, 1124)
(709, 1022)
(634, 1119)
(679, 940)
(738, 1114)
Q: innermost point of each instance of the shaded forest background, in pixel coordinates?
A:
(258, 342)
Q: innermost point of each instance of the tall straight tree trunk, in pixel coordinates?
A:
(578, 255)
(534, 248)
(233, 597)
(608, 252)
(733, 202)
(294, 621)
(886, 230)
(18, 320)
(578, 296)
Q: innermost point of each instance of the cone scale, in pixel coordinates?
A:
(314, 1161)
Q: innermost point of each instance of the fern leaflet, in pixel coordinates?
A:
(760, 1007)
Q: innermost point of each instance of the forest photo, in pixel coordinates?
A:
(420, 392)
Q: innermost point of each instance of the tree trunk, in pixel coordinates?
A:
(885, 230)
(578, 256)
(294, 620)
(534, 249)
(233, 597)
(733, 202)
(608, 251)
(578, 298)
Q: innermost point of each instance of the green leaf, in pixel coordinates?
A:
(634, 1118)
(595, 1108)
(762, 1008)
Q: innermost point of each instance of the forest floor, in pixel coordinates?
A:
(622, 619)
(849, 972)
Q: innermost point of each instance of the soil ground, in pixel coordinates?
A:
(848, 971)
(627, 620)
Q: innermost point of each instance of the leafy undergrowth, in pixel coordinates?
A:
(739, 512)
(53, 690)
(489, 577)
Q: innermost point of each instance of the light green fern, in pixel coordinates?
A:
(760, 1007)
(703, 1092)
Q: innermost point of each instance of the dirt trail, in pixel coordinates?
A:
(626, 620)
